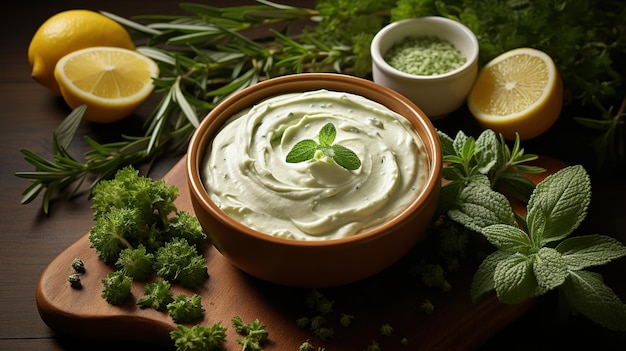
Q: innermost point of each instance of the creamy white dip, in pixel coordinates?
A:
(246, 175)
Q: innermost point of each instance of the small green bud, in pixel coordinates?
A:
(74, 280)
(78, 265)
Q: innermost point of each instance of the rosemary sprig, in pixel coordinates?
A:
(203, 57)
(206, 56)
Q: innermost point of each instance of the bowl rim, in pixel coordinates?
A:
(195, 157)
(378, 59)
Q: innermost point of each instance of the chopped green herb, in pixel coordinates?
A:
(157, 295)
(136, 263)
(179, 262)
(386, 329)
(199, 337)
(74, 280)
(424, 56)
(116, 287)
(78, 265)
(427, 307)
(254, 334)
(186, 309)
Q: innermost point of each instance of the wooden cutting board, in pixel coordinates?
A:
(392, 297)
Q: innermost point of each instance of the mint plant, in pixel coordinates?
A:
(308, 149)
(535, 252)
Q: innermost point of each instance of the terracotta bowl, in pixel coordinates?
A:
(313, 264)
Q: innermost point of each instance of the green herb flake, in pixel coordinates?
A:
(424, 56)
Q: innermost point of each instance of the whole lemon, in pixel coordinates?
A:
(67, 32)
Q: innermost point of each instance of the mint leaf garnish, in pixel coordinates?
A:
(305, 150)
(345, 157)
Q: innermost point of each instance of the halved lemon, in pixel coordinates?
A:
(69, 31)
(520, 91)
(112, 81)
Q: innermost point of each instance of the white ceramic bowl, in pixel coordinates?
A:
(436, 95)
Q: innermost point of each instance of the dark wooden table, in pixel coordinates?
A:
(29, 240)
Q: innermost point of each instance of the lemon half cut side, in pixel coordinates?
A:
(68, 31)
(113, 82)
(519, 91)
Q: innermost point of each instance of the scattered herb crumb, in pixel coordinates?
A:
(427, 307)
(186, 309)
(74, 280)
(254, 334)
(199, 337)
(318, 322)
(404, 341)
(78, 265)
(345, 320)
(432, 275)
(373, 346)
(386, 329)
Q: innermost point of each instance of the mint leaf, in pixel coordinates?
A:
(327, 135)
(508, 238)
(514, 279)
(550, 269)
(304, 150)
(563, 198)
(488, 156)
(586, 292)
(479, 207)
(446, 142)
(535, 224)
(345, 157)
(580, 252)
(483, 283)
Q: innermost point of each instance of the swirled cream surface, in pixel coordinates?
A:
(246, 175)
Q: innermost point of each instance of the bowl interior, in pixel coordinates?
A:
(300, 83)
(454, 32)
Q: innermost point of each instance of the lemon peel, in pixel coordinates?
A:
(519, 91)
(112, 82)
(69, 31)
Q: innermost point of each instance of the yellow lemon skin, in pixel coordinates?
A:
(528, 121)
(112, 82)
(69, 31)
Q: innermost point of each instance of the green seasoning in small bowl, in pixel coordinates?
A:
(424, 56)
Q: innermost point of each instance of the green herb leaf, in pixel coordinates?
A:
(508, 238)
(345, 157)
(479, 206)
(563, 198)
(327, 135)
(513, 278)
(549, 268)
(305, 150)
(580, 252)
(587, 293)
(483, 281)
